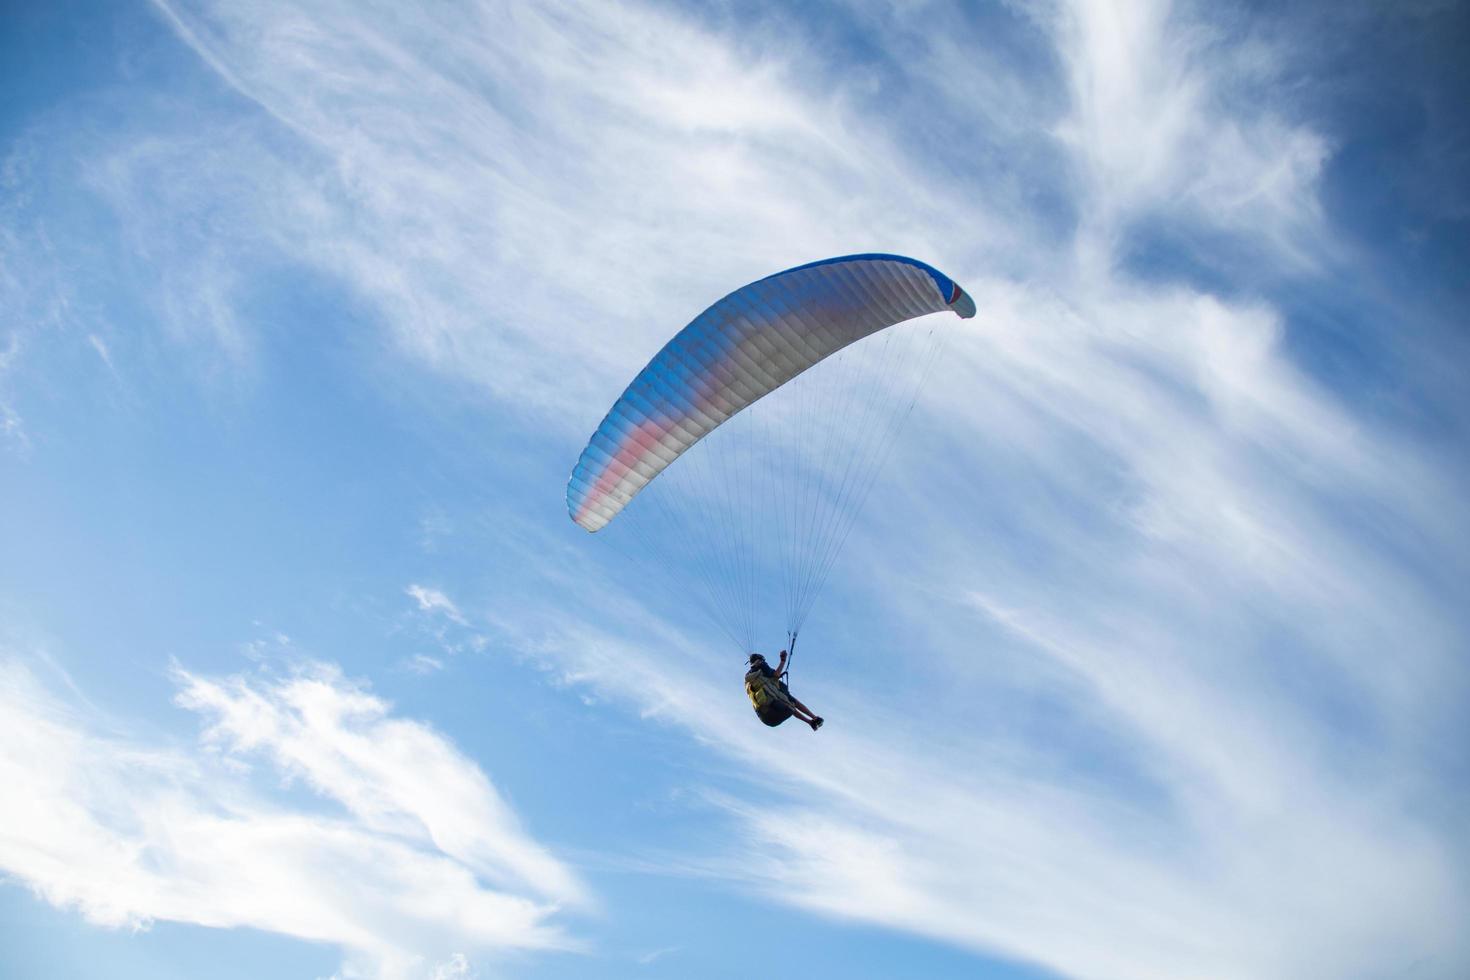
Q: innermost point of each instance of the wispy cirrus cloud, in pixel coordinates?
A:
(1167, 119)
(1167, 828)
(504, 240)
(431, 600)
(418, 862)
(423, 664)
(439, 621)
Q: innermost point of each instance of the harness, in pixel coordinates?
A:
(761, 690)
(768, 696)
(768, 692)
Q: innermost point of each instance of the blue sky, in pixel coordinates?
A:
(1148, 656)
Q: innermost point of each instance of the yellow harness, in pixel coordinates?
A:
(762, 690)
(756, 689)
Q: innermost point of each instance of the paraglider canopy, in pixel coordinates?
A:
(739, 350)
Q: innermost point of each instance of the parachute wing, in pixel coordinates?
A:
(740, 349)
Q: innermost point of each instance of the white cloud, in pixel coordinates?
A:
(100, 346)
(432, 600)
(654, 955)
(508, 240)
(441, 622)
(1211, 823)
(1167, 118)
(128, 833)
(457, 967)
(423, 664)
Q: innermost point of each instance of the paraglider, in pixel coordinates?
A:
(766, 505)
(771, 696)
